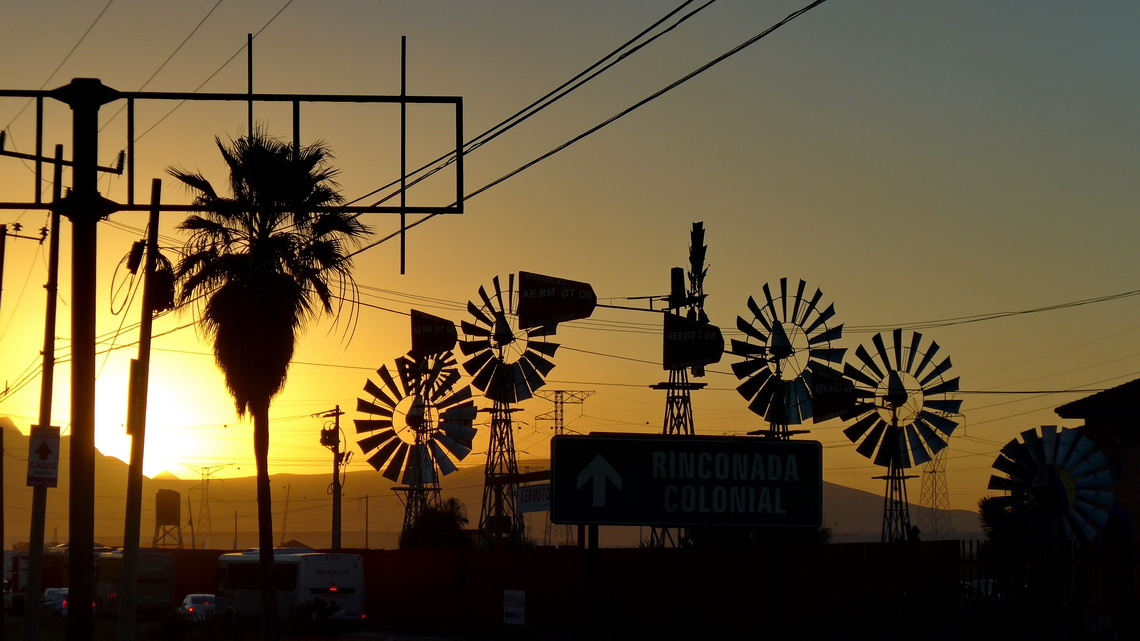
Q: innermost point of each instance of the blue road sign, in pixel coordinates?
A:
(634, 479)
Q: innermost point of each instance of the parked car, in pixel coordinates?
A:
(197, 607)
(54, 601)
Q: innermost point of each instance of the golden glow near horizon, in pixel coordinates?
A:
(917, 164)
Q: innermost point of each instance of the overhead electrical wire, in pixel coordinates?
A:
(62, 62)
(608, 121)
(216, 71)
(169, 58)
(961, 320)
(619, 54)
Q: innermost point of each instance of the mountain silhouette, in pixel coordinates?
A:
(222, 513)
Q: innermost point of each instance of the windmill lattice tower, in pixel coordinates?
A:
(902, 416)
(560, 398)
(689, 304)
(418, 420)
(508, 363)
(787, 350)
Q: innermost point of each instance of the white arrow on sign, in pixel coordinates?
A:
(598, 471)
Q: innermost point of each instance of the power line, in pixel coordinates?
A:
(63, 62)
(168, 59)
(977, 318)
(617, 55)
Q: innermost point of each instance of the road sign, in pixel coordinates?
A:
(634, 479)
(43, 456)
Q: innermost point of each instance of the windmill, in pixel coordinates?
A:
(788, 355)
(902, 416)
(1057, 483)
(419, 423)
(690, 342)
(508, 360)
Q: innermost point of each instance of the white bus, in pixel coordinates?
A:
(309, 585)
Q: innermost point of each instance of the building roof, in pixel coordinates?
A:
(1114, 402)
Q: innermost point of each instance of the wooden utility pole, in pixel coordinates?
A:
(47, 382)
(330, 438)
(136, 427)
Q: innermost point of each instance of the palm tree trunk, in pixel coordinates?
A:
(269, 628)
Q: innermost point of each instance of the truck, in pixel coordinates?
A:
(310, 585)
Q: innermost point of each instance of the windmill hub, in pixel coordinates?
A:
(780, 346)
(901, 397)
(896, 395)
(788, 350)
(503, 333)
(1054, 489)
(417, 413)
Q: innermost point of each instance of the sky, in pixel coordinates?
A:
(967, 167)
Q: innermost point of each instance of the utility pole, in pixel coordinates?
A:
(4, 234)
(330, 438)
(136, 428)
(47, 381)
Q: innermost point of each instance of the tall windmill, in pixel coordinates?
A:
(690, 343)
(507, 363)
(419, 421)
(508, 357)
(787, 356)
(902, 417)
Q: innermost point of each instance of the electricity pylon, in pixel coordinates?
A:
(207, 472)
(560, 398)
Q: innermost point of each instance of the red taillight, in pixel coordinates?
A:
(191, 609)
(332, 588)
(65, 603)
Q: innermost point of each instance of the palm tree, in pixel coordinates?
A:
(260, 265)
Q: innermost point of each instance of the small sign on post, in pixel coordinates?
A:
(514, 607)
(533, 498)
(43, 456)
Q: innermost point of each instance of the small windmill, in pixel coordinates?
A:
(509, 357)
(419, 422)
(787, 354)
(1058, 487)
(902, 416)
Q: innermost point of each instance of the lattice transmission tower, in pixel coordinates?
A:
(207, 472)
(560, 533)
(934, 496)
(560, 398)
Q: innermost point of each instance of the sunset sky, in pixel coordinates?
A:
(923, 162)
